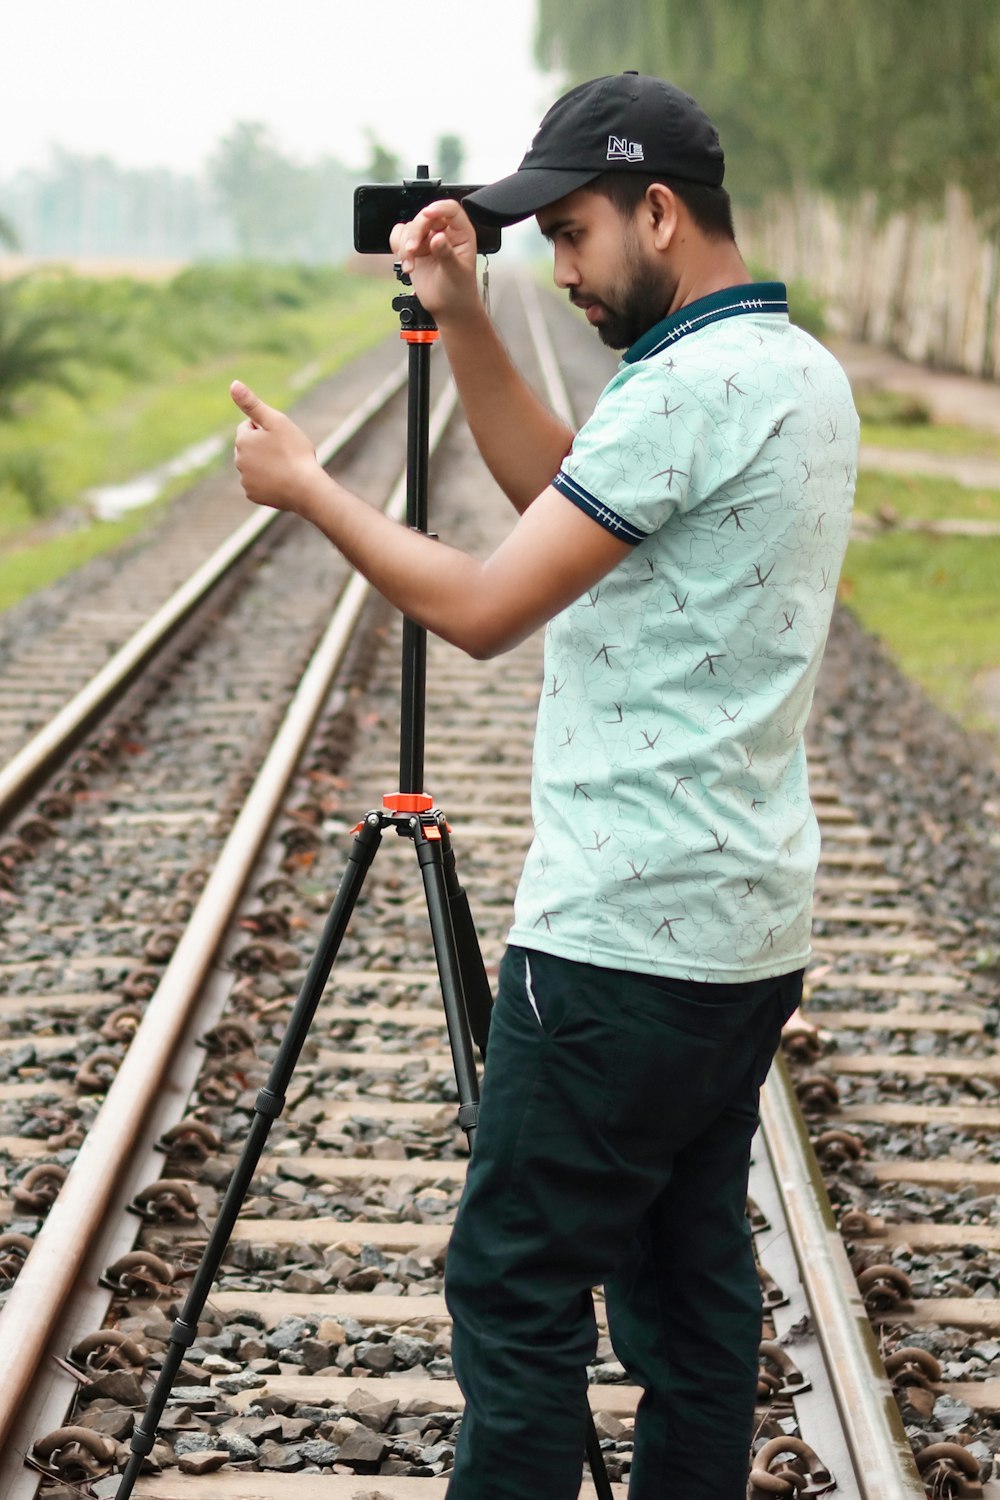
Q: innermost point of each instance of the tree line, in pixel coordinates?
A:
(253, 201)
(900, 98)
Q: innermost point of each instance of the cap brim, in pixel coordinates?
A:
(523, 193)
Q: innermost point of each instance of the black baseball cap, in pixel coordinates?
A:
(626, 122)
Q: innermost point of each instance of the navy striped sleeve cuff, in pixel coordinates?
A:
(606, 517)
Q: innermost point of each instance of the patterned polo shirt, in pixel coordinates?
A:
(674, 833)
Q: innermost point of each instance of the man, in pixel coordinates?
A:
(684, 547)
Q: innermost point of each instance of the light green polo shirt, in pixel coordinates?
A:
(674, 833)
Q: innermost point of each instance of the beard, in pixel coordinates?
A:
(640, 297)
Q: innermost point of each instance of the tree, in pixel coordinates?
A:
(55, 328)
(268, 197)
(8, 234)
(34, 346)
(450, 158)
(330, 235)
(901, 97)
(383, 164)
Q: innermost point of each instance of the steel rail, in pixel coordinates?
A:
(27, 771)
(545, 353)
(885, 1468)
(74, 1222)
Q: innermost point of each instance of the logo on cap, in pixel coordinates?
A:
(619, 149)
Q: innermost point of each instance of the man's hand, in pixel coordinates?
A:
(276, 460)
(437, 250)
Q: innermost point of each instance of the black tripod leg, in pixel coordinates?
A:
(595, 1458)
(437, 866)
(476, 986)
(268, 1106)
(430, 856)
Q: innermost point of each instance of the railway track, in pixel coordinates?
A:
(324, 1352)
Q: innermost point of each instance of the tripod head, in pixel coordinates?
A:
(416, 325)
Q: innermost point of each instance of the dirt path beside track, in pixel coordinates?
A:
(951, 398)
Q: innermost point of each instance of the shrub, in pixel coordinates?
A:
(24, 473)
(892, 408)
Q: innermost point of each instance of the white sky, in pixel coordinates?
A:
(157, 84)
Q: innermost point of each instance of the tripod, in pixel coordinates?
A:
(464, 985)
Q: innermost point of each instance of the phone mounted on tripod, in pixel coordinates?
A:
(379, 206)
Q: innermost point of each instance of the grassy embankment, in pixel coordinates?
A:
(933, 600)
(163, 357)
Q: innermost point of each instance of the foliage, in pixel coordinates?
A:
(931, 599)
(80, 205)
(152, 376)
(265, 196)
(805, 307)
(450, 158)
(23, 472)
(281, 209)
(901, 97)
(38, 344)
(8, 234)
(257, 202)
(945, 438)
(26, 569)
(892, 408)
(54, 326)
(923, 498)
(384, 165)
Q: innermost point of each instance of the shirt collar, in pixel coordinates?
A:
(732, 302)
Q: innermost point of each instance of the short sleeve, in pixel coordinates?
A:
(652, 447)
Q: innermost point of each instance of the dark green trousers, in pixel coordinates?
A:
(613, 1147)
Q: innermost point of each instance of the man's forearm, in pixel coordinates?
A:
(522, 443)
(552, 555)
(435, 585)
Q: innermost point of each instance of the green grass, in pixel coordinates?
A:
(176, 350)
(918, 498)
(23, 570)
(128, 423)
(934, 601)
(900, 419)
(933, 437)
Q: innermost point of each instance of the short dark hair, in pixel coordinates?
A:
(709, 207)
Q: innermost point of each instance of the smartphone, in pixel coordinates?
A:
(379, 206)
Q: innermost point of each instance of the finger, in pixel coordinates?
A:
(444, 214)
(448, 209)
(260, 414)
(440, 246)
(412, 241)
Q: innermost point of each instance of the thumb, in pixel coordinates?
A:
(260, 414)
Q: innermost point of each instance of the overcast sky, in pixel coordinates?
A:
(157, 84)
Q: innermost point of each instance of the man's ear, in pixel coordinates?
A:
(663, 210)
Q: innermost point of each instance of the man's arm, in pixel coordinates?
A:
(553, 555)
(522, 443)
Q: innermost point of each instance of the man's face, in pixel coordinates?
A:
(600, 259)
